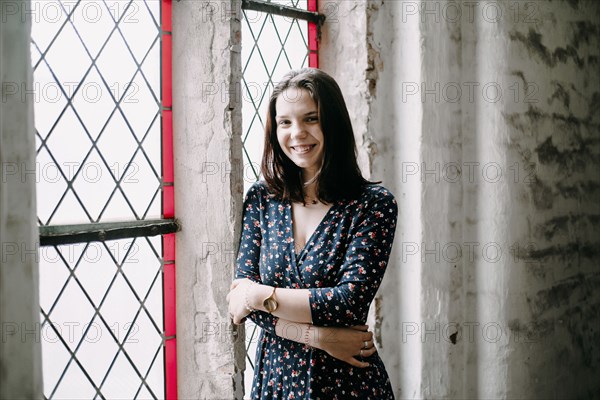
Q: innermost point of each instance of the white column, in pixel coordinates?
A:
(208, 194)
(20, 360)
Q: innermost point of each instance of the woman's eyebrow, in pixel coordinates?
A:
(306, 114)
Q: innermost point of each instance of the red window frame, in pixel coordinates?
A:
(168, 204)
(313, 44)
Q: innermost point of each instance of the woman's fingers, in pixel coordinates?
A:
(369, 352)
(233, 285)
(236, 282)
(369, 344)
(366, 352)
(360, 327)
(351, 345)
(354, 362)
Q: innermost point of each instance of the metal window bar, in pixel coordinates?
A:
(310, 15)
(314, 21)
(56, 235)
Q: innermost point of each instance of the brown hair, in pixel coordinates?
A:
(340, 177)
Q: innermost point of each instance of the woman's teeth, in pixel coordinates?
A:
(303, 149)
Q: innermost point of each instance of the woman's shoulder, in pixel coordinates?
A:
(373, 197)
(378, 193)
(259, 185)
(257, 188)
(259, 191)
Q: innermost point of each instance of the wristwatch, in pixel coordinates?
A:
(270, 303)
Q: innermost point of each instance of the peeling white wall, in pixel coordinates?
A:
(208, 194)
(422, 80)
(20, 349)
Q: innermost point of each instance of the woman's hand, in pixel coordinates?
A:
(237, 299)
(345, 343)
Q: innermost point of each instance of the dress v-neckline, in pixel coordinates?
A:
(298, 256)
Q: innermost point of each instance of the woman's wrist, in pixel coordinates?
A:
(311, 335)
(247, 296)
(256, 294)
(299, 332)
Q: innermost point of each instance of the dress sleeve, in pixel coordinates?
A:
(363, 269)
(248, 258)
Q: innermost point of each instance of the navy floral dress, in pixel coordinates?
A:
(342, 266)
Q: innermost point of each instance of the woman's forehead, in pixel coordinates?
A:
(295, 99)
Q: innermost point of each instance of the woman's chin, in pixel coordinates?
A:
(302, 163)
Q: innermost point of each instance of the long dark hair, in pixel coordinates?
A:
(340, 178)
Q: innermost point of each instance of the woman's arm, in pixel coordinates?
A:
(341, 343)
(247, 270)
(248, 261)
(346, 304)
(364, 267)
(293, 304)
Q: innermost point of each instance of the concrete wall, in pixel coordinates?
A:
(208, 194)
(20, 355)
(556, 207)
(509, 181)
(481, 118)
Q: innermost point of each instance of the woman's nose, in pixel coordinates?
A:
(298, 130)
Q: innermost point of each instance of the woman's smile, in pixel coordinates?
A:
(303, 149)
(299, 130)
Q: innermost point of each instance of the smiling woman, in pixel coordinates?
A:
(307, 271)
(299, 133)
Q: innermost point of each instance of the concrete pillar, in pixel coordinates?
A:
(208, 194)
(345, 34)
(531, 131)
(482, 118)
(550, 131)
(20, 351)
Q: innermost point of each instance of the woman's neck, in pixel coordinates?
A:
(309, 181)
(310, 191)
(309, 175)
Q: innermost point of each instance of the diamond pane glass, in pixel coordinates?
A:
(271, 46)
(97, 110)
(102, 320)
(97, 77)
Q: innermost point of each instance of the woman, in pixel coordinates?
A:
(314, 248)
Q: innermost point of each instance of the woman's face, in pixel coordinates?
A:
(299, 130)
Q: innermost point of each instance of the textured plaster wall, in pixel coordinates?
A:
(553, 290)
(484, 124)
(208, 193)
(20, 354)
(344, 34)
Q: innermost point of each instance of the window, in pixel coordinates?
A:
(105, 197)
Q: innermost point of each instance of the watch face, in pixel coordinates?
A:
(270, 304)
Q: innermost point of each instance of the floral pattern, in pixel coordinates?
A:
(342, 265)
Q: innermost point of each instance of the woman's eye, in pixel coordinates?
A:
(284, 122)
(312, 119)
